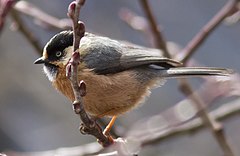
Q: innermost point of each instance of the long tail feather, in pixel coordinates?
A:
(183, 72)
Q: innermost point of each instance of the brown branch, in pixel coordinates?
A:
(198, 40)
(41, 17)
(158, 37)
(89, 126)
(26, 32)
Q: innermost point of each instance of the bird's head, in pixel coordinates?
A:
(56, 53)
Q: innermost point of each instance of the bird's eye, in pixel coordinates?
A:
(58, 53)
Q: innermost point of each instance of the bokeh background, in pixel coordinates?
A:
(35, 117)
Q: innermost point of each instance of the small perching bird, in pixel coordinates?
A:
(118, 75)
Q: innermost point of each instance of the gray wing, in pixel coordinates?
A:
(106, 56)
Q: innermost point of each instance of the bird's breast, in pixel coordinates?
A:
(50, 71)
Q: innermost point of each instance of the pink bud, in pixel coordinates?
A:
(68, 70)
(81, 26)
(71, 9)
(76, 107)
(82, 88)
(76, 57)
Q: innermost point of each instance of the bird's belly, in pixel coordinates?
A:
(113, 94)
(109, 95)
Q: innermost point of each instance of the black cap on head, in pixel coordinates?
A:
(59, 42)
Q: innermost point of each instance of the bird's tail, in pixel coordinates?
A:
(184, 72)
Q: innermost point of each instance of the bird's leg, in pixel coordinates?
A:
(109, 126)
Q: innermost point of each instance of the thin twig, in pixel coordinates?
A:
(26, 32)
(73, 13)
(197, 41)
(89, 126)
(158, 37)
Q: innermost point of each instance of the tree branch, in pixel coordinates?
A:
(89, 126)
(198, 40)
(158, 37)
(26, 32)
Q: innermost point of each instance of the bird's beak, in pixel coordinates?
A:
(40, 60)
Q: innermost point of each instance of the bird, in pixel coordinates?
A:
(119, 75)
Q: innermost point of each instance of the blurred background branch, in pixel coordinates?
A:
(41, 18)
(193, 45)
(20, 26)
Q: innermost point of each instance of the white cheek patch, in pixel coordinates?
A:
(51, 76)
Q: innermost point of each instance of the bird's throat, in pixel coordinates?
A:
(51, 71)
